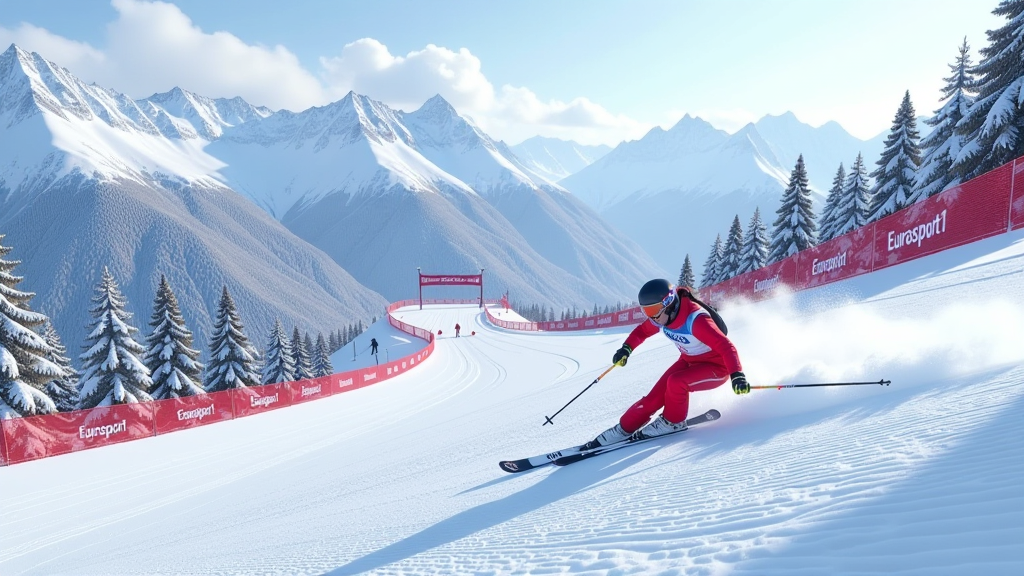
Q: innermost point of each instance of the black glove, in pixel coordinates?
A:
(621, 355)
(739, 383)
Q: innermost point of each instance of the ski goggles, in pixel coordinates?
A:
(655, 310)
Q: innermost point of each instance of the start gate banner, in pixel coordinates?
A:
(451, 279)
(41, 436)
(180, 413)
(1017, 201)
(844, 257)
(962, 214)
(256, 399)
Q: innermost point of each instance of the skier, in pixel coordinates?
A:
(707, 359)
(457, 328)
(373, 345)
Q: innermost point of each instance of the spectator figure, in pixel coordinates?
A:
(457, 328)
(373, 345)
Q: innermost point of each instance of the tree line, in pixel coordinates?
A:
(38, 377)
(977, 128)
(541, 313)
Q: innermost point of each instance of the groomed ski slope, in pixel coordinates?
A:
(922, 477)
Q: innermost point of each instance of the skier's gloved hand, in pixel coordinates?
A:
(739, 383)
(621, 355)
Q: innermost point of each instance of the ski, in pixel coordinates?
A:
(516, 466)
(576, 453)
(567, 459)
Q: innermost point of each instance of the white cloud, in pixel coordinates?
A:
(153, 46)
(67, 53)
(367, 67)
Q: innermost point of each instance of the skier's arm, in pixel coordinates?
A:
(645, 330)
(635, 338)
(705, 330)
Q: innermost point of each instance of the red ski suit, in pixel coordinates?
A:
(706, 359)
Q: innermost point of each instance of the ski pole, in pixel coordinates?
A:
(551, 419)
(781, 386)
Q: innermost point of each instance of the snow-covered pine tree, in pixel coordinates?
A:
(112, 371)
(855, 206)
(322, 358)
(755, 245)
(233, 358)
(300, 354)
(943, 144)
(24, 368)
(795, 229)
(830, 213)
(63, 390)
(279, 364)
(307, 342)
(713, 264)
(897, 168)
(732, 252)
(173, 364)
(993, 125)
(686, 277)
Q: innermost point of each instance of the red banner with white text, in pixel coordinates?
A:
(175, 414)
(313, 389)
(256, 399)
(844, 257)
(41, 436)
(966, 213)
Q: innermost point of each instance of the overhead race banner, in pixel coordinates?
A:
(451, 280)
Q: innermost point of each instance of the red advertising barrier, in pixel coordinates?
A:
(847, 256)
(41, 436)
(305, 390)
(971, 211)
(731, 288)
(175, 414)
(762, 283)
(257, 399)
(1017, 196)
(23, 439)
(3, 449)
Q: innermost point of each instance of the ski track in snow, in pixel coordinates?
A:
(921, 477)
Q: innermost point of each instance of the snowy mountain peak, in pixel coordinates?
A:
(438, 106)
(206, 117)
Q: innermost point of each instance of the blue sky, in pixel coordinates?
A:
(597, 72)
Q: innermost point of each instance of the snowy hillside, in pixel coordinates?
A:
(921, 477)
(554, 158)
(360, 181)
(89, 179)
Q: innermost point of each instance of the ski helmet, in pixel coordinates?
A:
(655, 296)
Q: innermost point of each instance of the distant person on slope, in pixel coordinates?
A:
(707, 359)
(373, 345)
(457, 328)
